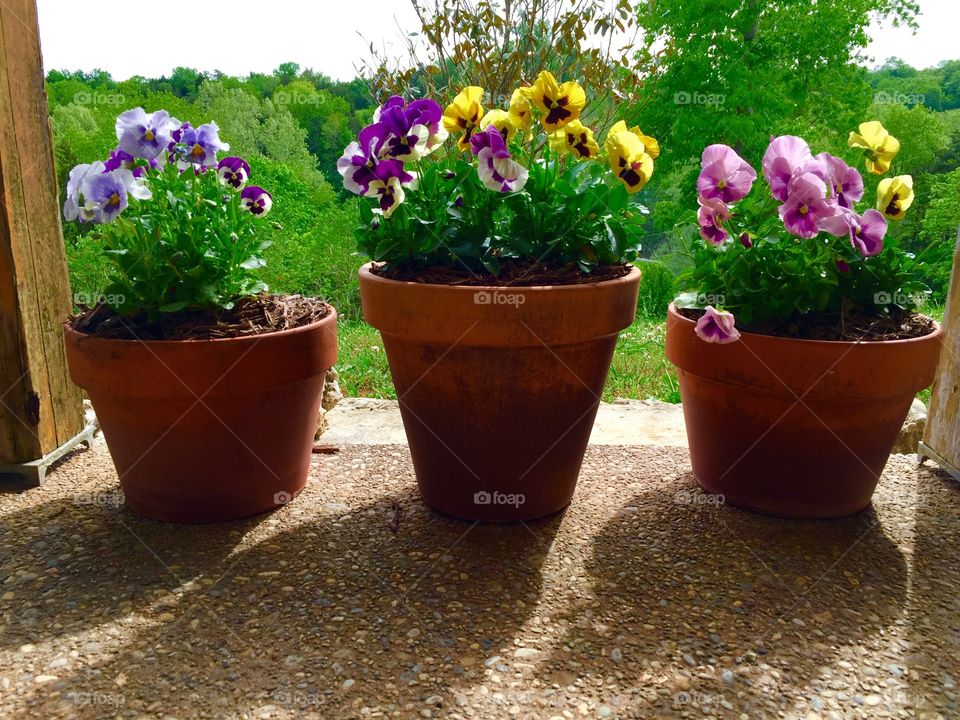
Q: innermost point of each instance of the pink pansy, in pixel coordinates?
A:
(866, 231)
(717, 326)
(711, 217)
(806, 206)
(784, 157)
(724, 175)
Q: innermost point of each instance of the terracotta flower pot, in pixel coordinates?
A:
(498, 386)
(208, 430)
(797, 428)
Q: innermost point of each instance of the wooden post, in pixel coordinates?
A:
(941, 436)
(40, 409)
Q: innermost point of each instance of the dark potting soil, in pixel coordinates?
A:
(512, 273)
(249, 316)
(850, 326)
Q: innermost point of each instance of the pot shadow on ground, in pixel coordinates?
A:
(686, 588)
(330, 612)
(933, 662)
(87, 560)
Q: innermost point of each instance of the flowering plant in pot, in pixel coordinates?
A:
(207, 387)
(798, 345)
(500, 282)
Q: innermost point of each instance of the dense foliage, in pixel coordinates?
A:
(735, 71)
(180, 225)
(809, 241)
(527, 183)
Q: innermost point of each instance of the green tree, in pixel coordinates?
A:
(737, 71)
(286, 72)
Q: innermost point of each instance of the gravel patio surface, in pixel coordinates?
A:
(643, 600)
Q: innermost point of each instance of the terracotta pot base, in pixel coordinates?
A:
(205, 431)
(795, 428)
(498, 387)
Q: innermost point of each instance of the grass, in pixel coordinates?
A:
(640, 368)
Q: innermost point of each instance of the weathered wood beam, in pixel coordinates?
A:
(941, 435)
(40, 409)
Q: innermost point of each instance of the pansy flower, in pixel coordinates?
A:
(866, 231)
(233, 171)
(388, 184)
(724, 174)
(359, 161)
(711, 217)
(844, 183)
(144, 136)
(464, 114)
(502, 121)
(628, 160)
(121, 159)
(806, 206)
(559, 104)
(895, 196)
(199, 146)
(496, 169)
(257, 200)
(118, 159)
(575, 139)
(403, 139)
(717, 326)
(880, 147)
(520, 112)
(73, 209)
(428, 113)
(107, 194)
(650, 145)
(784, 156)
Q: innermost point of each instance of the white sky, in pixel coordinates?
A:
(150, 39)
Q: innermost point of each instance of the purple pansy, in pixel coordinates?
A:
(411, 130)
(106, 194)
(844, 183)
(233, 171)
(118, 159)
(72, 208)
(257, 200)
(428, 113)
(717, 326)
(866, 231)
(724, 175)
(712, 215)
(496, 169)
(785, 155)
(404, 140)
(745, 240)
(806, 206)
(144, 136)
(388, 185)
(360, 159)
(843, 266)
(121, 159)
(199, 146)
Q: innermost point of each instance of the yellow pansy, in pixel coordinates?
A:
(464, 114)
(520, 112)
(894, 196)
(879, 145)
(560, 104)
(576, 139)
(651, 146)
(502, 121)
(628, 159)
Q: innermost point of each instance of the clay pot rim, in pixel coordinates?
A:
(330, 317)
(937, 334)
(369, 276)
